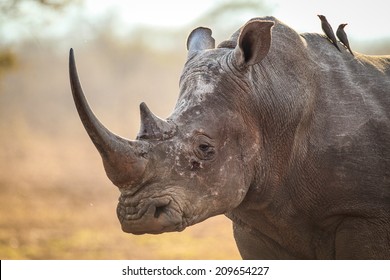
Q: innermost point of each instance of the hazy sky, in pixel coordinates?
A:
(367, 19)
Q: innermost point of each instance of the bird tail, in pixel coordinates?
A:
(336, 45)
(350, 50)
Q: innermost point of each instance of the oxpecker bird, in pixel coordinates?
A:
(343, 36)
(328, 30)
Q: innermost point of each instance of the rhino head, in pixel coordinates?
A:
(200, 161)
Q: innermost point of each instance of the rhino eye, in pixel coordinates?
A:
(204, 148)
(205, 151)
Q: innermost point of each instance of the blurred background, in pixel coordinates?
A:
(55, 199)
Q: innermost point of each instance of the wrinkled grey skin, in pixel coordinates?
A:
(281, 132)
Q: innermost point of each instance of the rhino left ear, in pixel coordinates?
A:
(200, 39)
(253, 43)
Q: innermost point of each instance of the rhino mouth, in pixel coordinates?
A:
(153, 216)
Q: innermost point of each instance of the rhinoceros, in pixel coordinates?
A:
(279, 131)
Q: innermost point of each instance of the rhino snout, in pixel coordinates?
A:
(154, 216)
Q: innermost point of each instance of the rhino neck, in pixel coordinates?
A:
(281, 100)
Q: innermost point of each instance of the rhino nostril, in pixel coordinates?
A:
(159, 210)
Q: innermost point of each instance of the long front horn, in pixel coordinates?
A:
(123, 159)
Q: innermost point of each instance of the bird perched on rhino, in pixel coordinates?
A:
(327, 28)
(343, 36)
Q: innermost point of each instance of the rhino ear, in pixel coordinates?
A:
(200, 39)
(253, 43)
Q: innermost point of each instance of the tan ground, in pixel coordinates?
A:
(55, 223)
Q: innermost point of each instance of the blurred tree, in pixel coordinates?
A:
(7, 60)
(12, 6)
(224, 10)
(15, 10)
(225, 16)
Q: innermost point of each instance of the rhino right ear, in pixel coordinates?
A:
(253, 43)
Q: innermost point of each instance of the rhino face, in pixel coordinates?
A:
(186, 180)
(194, 165)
